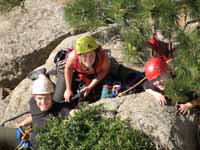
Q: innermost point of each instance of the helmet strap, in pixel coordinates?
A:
(95, 63)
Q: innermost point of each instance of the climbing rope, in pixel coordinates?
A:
(132, 87)
(13, 118)
(24, 144)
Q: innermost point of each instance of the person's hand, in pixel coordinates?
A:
(184, 108)
(73, 112)
(86, 90)
(160, 98)
(67, 95)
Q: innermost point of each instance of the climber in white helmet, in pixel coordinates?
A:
(42, 106)
(42, 92)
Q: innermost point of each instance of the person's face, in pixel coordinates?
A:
(44, 101)
(159, 82)
(88, 59)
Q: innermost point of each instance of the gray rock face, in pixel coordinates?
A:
(27, 37)
(18, 101)
(168, 130)
(19, 97)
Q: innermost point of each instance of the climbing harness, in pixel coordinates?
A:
(23, 139)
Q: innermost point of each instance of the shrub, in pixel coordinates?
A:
(8, 5)
(89, 130)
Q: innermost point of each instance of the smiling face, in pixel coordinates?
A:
(159, 82)
(88, 59)
(44, 101)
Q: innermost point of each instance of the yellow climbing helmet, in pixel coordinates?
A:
(86, 44)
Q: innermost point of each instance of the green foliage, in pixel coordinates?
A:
(163, 13)
(89, 130)
(136, 19)
(85, 14)
(185, 86)
(135, 37)
(8, 5)
(191, 7)
(94, 13)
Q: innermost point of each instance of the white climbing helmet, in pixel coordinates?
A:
(42, 85)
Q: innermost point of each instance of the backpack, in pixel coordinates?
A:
(60, 58)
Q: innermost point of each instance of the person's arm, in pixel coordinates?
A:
(151, 89)
(101, 75)
(26, 121)
(159, 97)
(68, 72)
(184, 108)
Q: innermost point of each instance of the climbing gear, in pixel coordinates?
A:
(164, 50)
(132, 87)
(154, 68)
(42, 85)
(60, 58)
(116, 89)
(35, 73)
(78, 96)
(86, 44)
(23, 139)
(60, 55)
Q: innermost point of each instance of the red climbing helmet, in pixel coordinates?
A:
(154, 67)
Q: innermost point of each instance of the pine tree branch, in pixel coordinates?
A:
(108, 27)
(140, 28)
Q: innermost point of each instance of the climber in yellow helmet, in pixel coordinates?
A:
(88, 59)
(93, 65)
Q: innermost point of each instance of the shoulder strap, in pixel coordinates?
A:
(77, 65)
(100, 60)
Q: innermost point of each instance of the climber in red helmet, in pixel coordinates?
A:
(156, 71)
